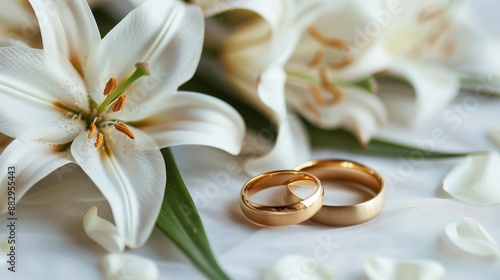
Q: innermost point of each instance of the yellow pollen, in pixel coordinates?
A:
(337, 94)
(316, 92)
(313, 111)
(326, 42)
(124, 129)
(99, 141)
(316, 58)
(430, 12)
(110, 86)
(92, 131)
(120, 103)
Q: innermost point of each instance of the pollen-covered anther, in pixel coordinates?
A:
(124, 129)
(99, 140)
(110, 86)
(92, 130)
(119, 103)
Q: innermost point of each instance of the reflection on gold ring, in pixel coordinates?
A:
(345, 215)
(296, 212)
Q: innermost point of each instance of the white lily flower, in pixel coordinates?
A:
(326, 49)
(78, 101)
(470, 236)
(380, 268)
(293, 59)
(266, 61)
(475, 180)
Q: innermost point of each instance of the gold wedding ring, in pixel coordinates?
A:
(345, 215)
(287, 214)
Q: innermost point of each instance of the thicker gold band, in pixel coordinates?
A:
(346, 215)
(298, 211)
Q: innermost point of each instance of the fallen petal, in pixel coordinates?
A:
(298, 267)
(103, 232)
(379, 268)
(130, 267)
(470, 236)
(475, 180)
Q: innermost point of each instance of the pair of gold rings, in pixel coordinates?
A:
(297, 209)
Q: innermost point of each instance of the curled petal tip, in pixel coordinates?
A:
(470, 236)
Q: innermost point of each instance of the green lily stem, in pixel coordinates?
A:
(142, 69)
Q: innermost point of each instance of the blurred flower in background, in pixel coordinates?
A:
(352, 64)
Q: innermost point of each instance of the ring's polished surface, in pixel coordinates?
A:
(298, 211)
(346, 215)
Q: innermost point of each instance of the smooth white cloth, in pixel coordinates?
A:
(51, 243)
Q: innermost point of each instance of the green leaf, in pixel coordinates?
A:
(180, 222)
(487, 85)
(344, 140)
(369, 84)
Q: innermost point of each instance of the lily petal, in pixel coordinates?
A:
(245, 47)
(286, 268)
(127, 266)
(292, 136)
(494, 136)
(103, 232)
(13, 13)
(358, 111)
(32, 161)
(475, 180)
(68, 29)
(196, 119)
(432, 88)
(379, 268)
(7, 42)
(470, 236)
(168, 35)
(130, 174)
(53, 86)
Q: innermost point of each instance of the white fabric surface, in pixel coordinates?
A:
(411, 225)
(51, 244)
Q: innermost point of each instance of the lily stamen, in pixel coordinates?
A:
(142, 69)
(92, 131)
(110, 86)
(337, 94)
(99, 140)
(334, 43)
(120, 103)
(124, 129)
